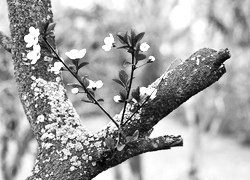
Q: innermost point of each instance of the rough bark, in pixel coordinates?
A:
(66, 149)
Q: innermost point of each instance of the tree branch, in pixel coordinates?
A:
(66, 149)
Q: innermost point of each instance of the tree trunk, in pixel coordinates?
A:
(66, 150)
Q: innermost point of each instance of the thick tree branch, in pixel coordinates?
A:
(198, 72)
(66, 149)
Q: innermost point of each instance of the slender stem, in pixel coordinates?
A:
(79, 80)
(141, 65)
(137, 110)
(129, 87)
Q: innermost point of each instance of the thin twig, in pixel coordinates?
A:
(79, 80)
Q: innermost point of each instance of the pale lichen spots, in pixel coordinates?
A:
(33, 78)
(40, 118)
(66, 153)
(75, 162)
(78, 146)
(85, 157)
(197, 61)
(46, 145)
(47, 136)
(47, 58)
(72, 168)
(58, 79)
(36, 169)
(24, 97)
(93, 163)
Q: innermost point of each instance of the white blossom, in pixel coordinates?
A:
(74, 90)
(108, 42)
(144, 47)
(151, 59)
(95, 84)
(57, 67)
(76, 54)
(117, 98)
(32, 38)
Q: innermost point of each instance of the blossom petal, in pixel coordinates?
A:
(151, 59)
(106, 47)
(82, 53)
(74, 90)
(76, 54)
(117, 98)
(99, 84)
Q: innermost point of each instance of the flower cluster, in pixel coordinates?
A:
(32, 41)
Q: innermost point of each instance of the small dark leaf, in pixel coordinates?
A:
(85, 81)
(51, 26)
(126, 63)
(43, 26)
(123, 47)
(90, 98)
(127, 38)
(128, 139)
(87, 101)
(82, 64)
(138, 37)
(119, 82)
(123, 94)
(140, 57)
(75, 62)
(74, 85)
(110, 143)
(135, 136)
(136, 94)
(132, 32)
(123, 76)
(120, 147)
(92, 93)
(132, 37)
(121, 39)
(100, 100)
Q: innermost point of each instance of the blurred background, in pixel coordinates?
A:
(215, 124)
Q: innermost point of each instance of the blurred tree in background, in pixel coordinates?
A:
(174, 29)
